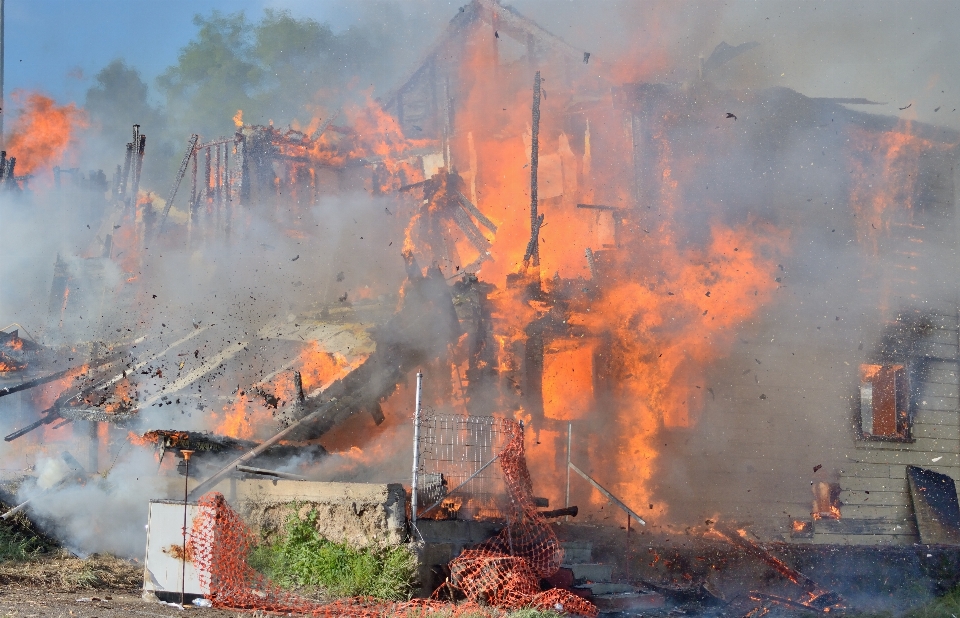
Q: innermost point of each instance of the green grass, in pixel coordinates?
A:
(19, 541)
(302, 559)
(944, 607)
(15, 545)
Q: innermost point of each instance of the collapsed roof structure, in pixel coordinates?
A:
(697, 284)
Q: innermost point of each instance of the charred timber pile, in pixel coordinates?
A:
(8, 180)
(421, 331)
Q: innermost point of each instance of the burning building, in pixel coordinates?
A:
(712, 302)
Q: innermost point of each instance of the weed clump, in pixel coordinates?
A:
(19, 540)
(302, 559)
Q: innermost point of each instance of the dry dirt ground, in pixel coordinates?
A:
(26, 602)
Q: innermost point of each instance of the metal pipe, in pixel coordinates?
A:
(609, 496)
(416, 451)
(566, 501)
(183, 553)
(280, 475)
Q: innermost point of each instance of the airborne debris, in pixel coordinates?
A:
(729, 115)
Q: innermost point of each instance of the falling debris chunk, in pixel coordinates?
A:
(729, 115)
(817, 467)
(296, 258)
(903, 108)
(586, 57)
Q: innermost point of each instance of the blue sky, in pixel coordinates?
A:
(58, 46)
(891, 51)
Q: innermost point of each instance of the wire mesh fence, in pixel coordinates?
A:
(456, 478)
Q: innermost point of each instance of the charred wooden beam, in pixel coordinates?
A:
(601, 207)
(469, 228)
(240, 161)
(473, 210)
(206, 174)
(191, 148)
(136, 164)
(218, 177)
(536, 220)
(125, 175)
(738, 538)
(570, 511)
(376, 411)
(46, 417)
(320, 130)
(9, 177)
(591, 263)
(226, 172)
(9, 390)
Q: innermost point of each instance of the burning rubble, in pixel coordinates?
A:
(572, 252)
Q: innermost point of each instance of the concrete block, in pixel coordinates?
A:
(359, 514)
(628, 601)
(459, 533)
(577, 552)
(591, 572)
(431, 559)
(608, 588)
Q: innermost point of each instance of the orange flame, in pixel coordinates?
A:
(42, 131)
(884, 173)
(253, 410)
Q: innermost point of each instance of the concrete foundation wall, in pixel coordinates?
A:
(360, 514)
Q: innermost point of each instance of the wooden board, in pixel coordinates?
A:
(935, 503)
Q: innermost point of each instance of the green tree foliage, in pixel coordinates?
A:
(119, 100)
(214, 76)
(281, 68)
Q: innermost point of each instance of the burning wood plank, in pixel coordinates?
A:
(421, 330)
(819, 599)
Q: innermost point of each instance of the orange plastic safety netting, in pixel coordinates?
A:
(220, 545)
(506, 570)
(503, 573)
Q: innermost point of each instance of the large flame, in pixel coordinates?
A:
(884, 173)
(254, 410)
(42, 131)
